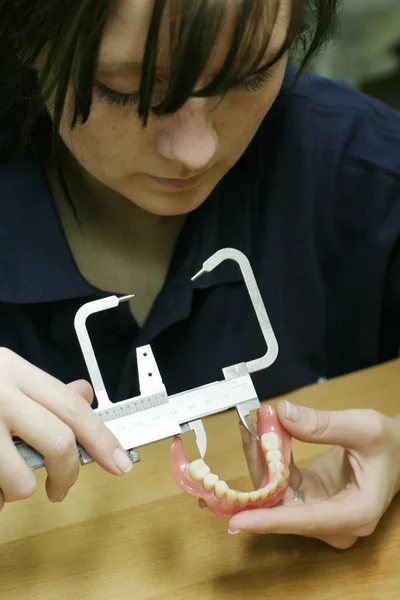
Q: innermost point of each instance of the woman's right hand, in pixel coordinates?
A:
(51, 417)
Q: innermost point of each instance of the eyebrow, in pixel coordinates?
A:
(268, 65)
(110, 65)
(125, 65)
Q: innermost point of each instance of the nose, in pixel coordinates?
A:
(188, 137)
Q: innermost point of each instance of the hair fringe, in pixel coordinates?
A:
(69, 33)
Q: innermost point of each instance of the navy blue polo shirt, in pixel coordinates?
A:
(317, 212)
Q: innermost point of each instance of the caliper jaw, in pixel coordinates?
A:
(200, 433)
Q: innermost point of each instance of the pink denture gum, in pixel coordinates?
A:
(224, 502)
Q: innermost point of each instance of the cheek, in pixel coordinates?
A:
(240, 119)
(252, 112)
(243, 112)
(107, 142)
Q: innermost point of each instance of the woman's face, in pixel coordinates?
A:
(170, 166)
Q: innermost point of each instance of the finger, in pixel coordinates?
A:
(17, 481)
(83, 388)
(341, 542)
(295, 477)
(348, 428)
(317, 519)
(51, 437)
(252, 456)
(71, 408)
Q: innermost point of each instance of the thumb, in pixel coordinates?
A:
(348, 428)
(83, 388)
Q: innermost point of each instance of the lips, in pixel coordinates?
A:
(177, 184)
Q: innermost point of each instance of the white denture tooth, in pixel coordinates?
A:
(265, 492)
(221, 487)
(254, 496)
(198, 470)
(277, 467)
(231, 496)
(209, 481)
(268, 490)
(243, 497)
(272, 486)
(279, 481)
(270, 441)
(274, 456)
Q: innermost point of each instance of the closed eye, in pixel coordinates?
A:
(250, 84)
(254, 83)
(118, 98)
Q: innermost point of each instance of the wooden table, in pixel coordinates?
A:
(139, 538)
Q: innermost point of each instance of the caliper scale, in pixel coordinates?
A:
(154, 415)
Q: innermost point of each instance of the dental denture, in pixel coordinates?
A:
(196, 479)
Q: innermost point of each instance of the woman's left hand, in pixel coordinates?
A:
(346, 490)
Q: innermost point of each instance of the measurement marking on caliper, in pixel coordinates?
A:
(130, 407)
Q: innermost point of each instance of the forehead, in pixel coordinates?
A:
(126, 31)
(125, 34)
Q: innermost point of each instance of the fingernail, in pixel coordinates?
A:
(122, 460)
(61, 498)
(293, 412)
(246, 437)
(233, 531)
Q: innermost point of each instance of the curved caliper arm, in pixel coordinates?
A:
(271, 353)
(274, 442)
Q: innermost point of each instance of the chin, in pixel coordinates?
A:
(171, 205)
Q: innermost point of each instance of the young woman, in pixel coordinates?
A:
(137, 138)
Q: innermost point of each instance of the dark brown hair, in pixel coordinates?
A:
(70, 32)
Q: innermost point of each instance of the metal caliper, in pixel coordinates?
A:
(154, 415)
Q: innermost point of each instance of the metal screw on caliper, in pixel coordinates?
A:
(134, 456)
